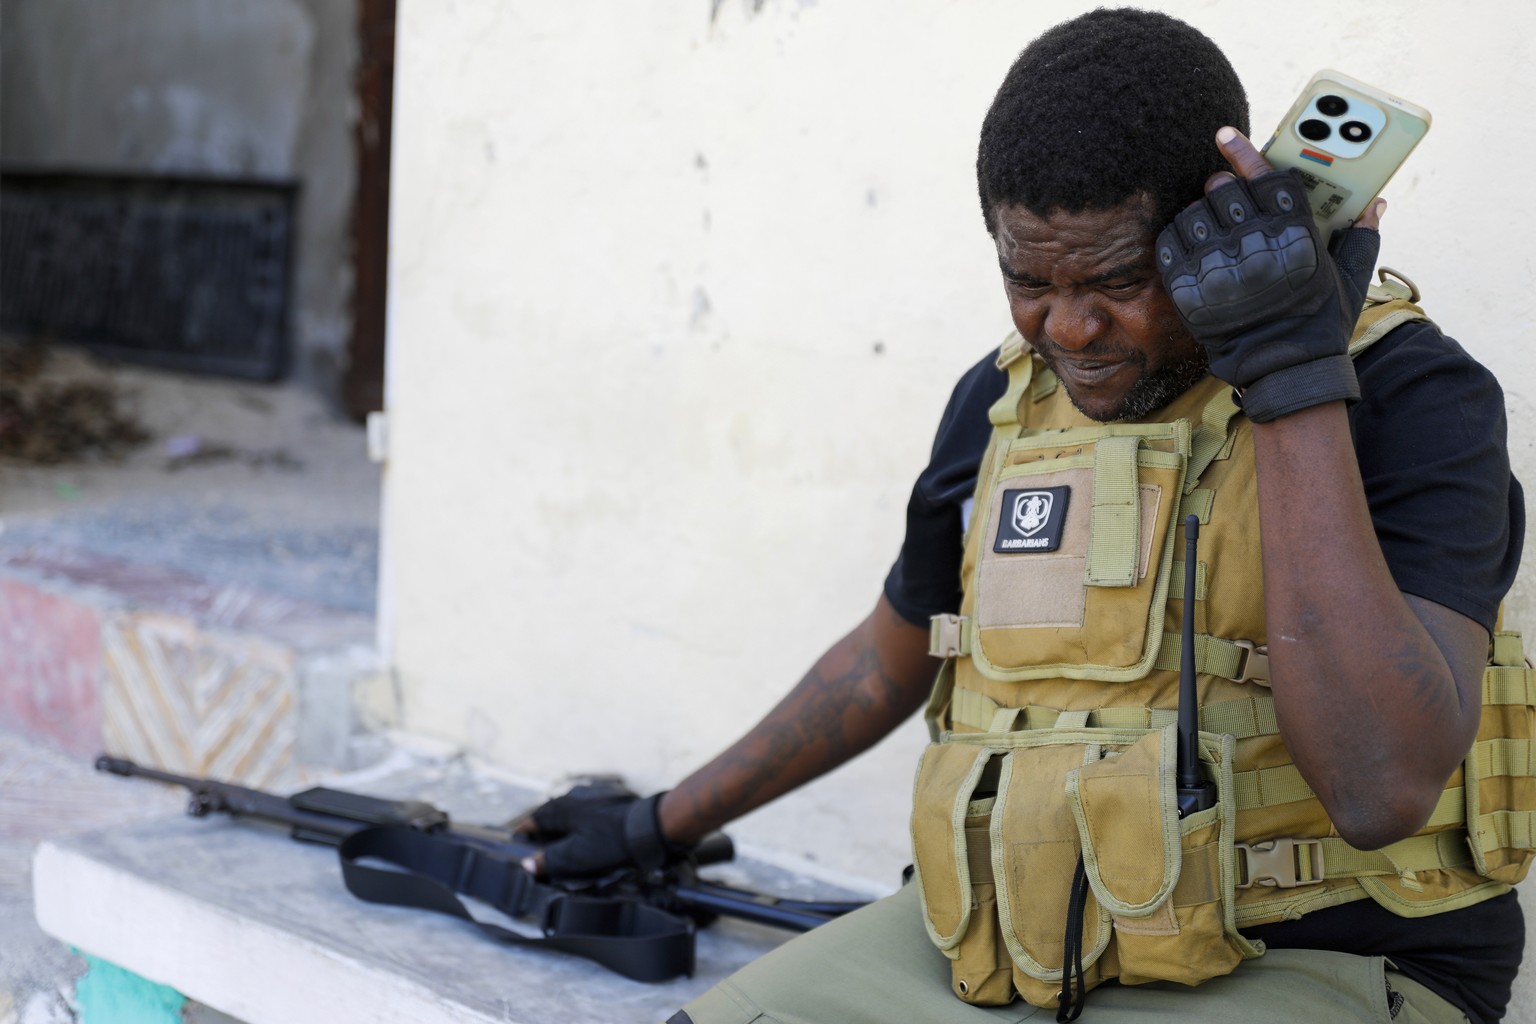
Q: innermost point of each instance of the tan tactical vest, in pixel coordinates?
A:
(1053, 718)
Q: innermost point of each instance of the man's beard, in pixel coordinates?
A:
(1153, 390)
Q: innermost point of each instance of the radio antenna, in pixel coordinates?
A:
(1195, 792)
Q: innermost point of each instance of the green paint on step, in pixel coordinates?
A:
(110, 995)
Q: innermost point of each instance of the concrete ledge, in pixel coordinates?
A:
(248, 922)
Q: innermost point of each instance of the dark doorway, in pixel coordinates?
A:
(363, 387)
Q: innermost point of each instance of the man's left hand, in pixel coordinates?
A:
(595, 828)
(1256, 286)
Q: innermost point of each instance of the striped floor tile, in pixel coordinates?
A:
(198, 702)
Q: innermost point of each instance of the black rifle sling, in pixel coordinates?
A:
(640, 942)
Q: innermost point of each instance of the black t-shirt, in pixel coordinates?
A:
(1429, 435)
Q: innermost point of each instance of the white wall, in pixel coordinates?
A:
(678, 299)
(260, 88)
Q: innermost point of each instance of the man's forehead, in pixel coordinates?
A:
(1121, 233)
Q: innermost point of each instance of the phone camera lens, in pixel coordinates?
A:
(1355, 131)
(1316, 130)
(1331, 106)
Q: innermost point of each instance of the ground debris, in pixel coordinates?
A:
(185, 450)
(55, 409)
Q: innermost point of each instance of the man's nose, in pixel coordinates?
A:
(1074, 322)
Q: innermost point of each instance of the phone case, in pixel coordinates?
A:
(1347, 139)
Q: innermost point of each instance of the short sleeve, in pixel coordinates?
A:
(925, 579)
(1431, 440)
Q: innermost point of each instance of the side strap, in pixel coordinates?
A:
(1286, 863)
(626, 936)
(1238, 660)
(1416, 853)
(1283, 784)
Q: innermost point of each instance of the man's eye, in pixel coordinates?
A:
(1121, 287)
(1028, 289)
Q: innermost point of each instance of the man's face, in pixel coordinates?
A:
(1086, 295)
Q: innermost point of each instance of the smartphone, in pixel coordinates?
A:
(1347, 139)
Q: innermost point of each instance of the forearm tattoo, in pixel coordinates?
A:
(824, 721)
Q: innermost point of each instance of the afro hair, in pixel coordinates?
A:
(1110, 105)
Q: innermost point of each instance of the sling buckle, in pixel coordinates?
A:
(945, 636)
(1280, 863)
(1254, 667)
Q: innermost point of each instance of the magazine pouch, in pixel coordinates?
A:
(1035, 852)
(951, 856)
(1163, 881)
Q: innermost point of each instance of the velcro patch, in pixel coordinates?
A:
(1031, 520)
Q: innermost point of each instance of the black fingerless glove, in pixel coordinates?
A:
(1252, 281)
(599, 828)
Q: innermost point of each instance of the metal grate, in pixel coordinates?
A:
(183, 273)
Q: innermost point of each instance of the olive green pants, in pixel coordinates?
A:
(877, 965)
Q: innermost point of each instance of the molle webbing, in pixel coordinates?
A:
(1498, 775)
(1239, 660)
(1242, 718)
(1504, 683)
(1285, 863)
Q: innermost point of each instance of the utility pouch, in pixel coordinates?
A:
(951, 857)
(1164, 881)
(1001, 820)
(1500, 770)
(1035, 851)
(1073, 565)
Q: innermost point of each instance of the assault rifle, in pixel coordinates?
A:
(641, 925)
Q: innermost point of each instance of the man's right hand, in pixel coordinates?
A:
(1255, 284)
(595, 828)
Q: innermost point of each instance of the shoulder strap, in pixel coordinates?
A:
(1014, 357)
(1389, 304)
(627, 936)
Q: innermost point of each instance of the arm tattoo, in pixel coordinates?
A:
(825, 721)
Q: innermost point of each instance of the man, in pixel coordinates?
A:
(1362, 529)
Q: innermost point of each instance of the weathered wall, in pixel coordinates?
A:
(678, 297)
(261, 88)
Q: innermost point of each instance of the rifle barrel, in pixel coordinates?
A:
(209, 795)
(125, 767)
(798, 915)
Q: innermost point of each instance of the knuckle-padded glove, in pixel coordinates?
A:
(602, 830)
(1249, 275)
